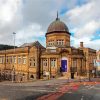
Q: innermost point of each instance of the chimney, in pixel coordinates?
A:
(81, 44)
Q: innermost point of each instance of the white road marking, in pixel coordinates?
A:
(82, 98)
(69, 92)
(96, 88)
(88, 87)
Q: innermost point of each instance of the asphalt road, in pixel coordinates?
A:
(28, 91)
(20, 93)
(16, 92)
(33, 90)
(88, 92)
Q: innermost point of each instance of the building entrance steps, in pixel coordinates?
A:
(64, 77)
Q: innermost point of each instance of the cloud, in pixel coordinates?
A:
(31, 18)
(10, 19)
(83, 14)
(84, 21)
(87, 42)
(9, 12)
(88, 30)
(29, 33)
(20, 15)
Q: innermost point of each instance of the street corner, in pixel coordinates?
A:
(90, 83)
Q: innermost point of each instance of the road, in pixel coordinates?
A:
(30, 90)
(88, 92)
(48, 90)
(20, 93)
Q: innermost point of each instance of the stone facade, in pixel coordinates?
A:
(98, 60)
(90, 56)
(33, 61)
(22, 63)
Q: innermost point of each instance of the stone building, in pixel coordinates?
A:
(90, 56)
(98, 63)
(33, 61)
(21, 64)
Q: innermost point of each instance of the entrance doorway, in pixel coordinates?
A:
(64, 65)
(72, 75)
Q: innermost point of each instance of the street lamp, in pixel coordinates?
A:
(89, 72)
(13, 69)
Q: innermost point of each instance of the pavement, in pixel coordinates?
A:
(59, 81)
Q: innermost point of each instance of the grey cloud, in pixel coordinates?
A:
(41, 12)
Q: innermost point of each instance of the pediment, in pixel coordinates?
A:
(64, 51)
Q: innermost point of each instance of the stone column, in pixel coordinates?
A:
(69, 66)
(41, 69)
(78, 67)
(87, 67)
(48, 67)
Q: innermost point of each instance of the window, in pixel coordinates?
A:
(48, 43)
(19, 60)
(53, 50)
(24, 60)
(32, 62)
(10, 59)
(45, 62)
(1, 59)
(60, 42)
(51, 43)
(53, 62)
(14, 59)
(7, 60)
(74, 63)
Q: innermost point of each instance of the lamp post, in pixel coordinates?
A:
(13, 69)
(89, 72)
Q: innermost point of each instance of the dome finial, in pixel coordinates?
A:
(57, 16)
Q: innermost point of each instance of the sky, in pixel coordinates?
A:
(29, 19)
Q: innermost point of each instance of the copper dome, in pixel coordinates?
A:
(57, 26)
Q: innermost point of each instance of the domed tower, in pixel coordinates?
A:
(57, 34)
